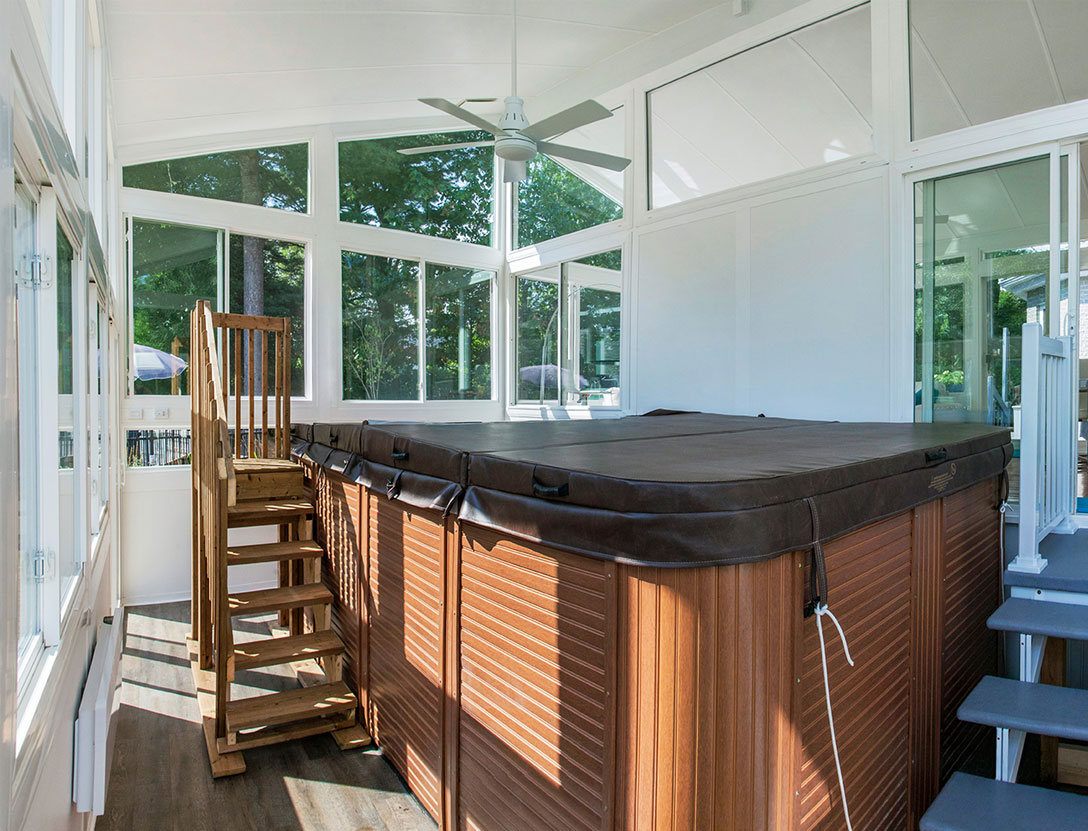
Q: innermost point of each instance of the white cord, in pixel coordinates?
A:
(821, 610)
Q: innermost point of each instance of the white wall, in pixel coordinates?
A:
(156, 531)
(684, 336)
(777, 306)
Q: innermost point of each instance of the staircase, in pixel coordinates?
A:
(1048, 583)
(247, 481)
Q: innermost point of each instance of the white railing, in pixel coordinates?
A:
(1047, 442)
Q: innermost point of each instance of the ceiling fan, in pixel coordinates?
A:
(517, 142)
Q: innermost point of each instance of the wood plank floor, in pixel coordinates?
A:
(160, 778)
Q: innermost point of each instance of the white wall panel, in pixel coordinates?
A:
(156, 531)
(819, 305)
(684, 331)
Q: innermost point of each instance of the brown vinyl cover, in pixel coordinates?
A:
(670, 489)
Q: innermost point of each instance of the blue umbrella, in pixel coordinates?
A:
(153, 364)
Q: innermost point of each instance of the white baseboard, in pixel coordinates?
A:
(176, 597)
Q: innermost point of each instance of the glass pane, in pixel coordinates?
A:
(538, 336)
(67, 556)
(268, 277)
(275, 177)
(103, 406)
(445, 194)
(173, 266)
(156, 448)
(982, 263)
(29, 591)
(971, 62)
(380, 299)
(791, 104)
(458, 332)
(559, 196)
(593, 292)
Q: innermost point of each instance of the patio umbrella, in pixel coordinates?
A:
(545, 376)
(153, 364)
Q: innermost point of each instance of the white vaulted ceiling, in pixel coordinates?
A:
(184, 68)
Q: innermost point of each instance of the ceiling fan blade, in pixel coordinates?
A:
(463, 114)
(415, 151)
(569, 119)
(576, 154)
(514, 171)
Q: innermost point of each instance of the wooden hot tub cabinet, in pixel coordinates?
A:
(517, 685)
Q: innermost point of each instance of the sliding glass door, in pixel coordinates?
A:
(991, 252)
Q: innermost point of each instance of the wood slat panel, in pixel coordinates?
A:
(971, 592)
(869, 579)
(708, 709)
(406, 650)
(337, 529)
(927, 618)
(537, 686)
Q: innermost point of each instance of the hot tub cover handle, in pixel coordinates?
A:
(550, 491)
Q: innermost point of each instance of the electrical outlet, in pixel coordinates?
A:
(162, 412)
(135, 413)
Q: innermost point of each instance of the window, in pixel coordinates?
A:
(538, 336)
(71, 467)
(559, 196)
(388, 345)
(968, 67)
(458, 333)
(157, 448)
(794, 103)
(275, 177)
(173, 266)
(380, 298)
(568, 333)
(98, 410)
(268, 277)
(446, 194)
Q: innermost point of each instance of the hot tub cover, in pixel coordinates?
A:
(676, 489)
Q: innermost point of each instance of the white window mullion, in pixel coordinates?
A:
(421, 323)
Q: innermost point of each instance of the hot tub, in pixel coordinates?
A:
(607, 624)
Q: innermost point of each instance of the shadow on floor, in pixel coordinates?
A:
(160, 777)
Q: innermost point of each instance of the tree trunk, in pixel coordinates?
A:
(252, 263)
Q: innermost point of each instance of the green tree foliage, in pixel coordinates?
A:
(458, 333)
(282, 268)
(538, 336)
(552, 201)
(445, 194)
(173, 267)
(282, 176)
(380, 337)
(599, 337)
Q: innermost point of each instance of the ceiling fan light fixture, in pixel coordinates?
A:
(515, 148)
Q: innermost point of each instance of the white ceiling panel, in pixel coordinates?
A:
(186, 68)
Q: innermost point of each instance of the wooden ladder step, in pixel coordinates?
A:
(272, 552)
(271, 651)
(272, 600)
(322, 700)
(267, 512)
(269, 479)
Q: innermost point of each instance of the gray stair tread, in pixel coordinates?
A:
(1040, 617)
(1036, 708)
(1067, 562)
(971, 803)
